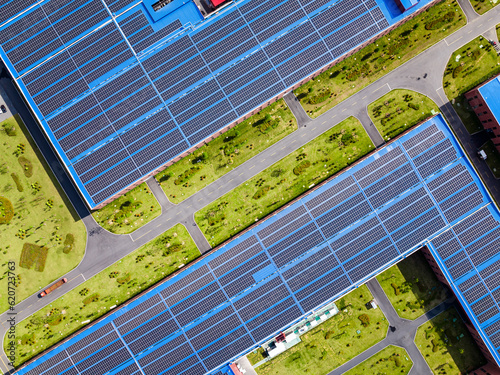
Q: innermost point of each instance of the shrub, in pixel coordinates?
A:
(33, 254)
(10, 130)
(26, 166)
(440, 22)
(396, 289)
(186, 175)
(397, 361)
(200, 158)
(413, 106)
(261, 192)
(124, 279)
(435, 345)
(28, 339)
(268, 125)
(17, 182)
(301, 167)
(92, 298)
(346, 138)
(165, 176)
(365, 319)
(54, 320)
(6, 210)
(320, 97)
(457, 71)
(68, 243)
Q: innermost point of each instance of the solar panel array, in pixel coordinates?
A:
(313, 251)
(100, 82)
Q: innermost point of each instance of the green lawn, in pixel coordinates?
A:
(399, 110)
(318, 355)
(257, 355)
(498, 31)
(379, 58)
(469, 66)
(493, 158)
(447, 345)
(129, 212)
(226, 152)
(482, 6)
(389, 361)
(96, 296)
(41, 217)
(412, 287)
(283, 181)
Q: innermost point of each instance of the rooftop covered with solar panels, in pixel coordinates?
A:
(419, 190)
(121, 89)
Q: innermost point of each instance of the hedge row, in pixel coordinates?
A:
(440, 22)
(6, 210)
(261, 192)
(68, 243)
(33, 254)
(301, 167)
(17, 182)
(186, 175)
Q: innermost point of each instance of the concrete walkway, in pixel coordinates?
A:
(298, 111)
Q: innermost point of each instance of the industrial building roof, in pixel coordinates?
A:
(121, 89)
(491, 95)
(420, 190)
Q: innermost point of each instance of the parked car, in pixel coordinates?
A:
(3, 109)
(482, 155)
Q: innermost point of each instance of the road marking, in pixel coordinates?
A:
(178, 213)
(202, 198)
(354, 103)
(263, 160)
(227, 182)
(241, 173)
(388, 86)
(343, 109)
(290, 143)
(470, 31)
(132, 240)
(158, 225)
(364, 97)
(282, 148)
(313, 129)
(333, 116)
(168, 219)
(324, 122)
(189, 206)
(210, 193)
(381, 87)
(252, 167)
(274, 153)
(303, 135)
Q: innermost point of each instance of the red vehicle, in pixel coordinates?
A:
(53, 287)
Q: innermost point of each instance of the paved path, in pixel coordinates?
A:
(401, 333)
(297, 109)
(104, 248)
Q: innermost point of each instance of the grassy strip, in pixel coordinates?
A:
(482, 6)
(113, 286)
(41, 215)
(469, 66)
(129, 212)
(399, 110)
(377, 59)
(270, 189)
(412, 287)
(447, 345)
(493, 158)
(390, 360)
(335, 341)
(226, 152)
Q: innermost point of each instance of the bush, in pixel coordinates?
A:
(268, 125)
(200, 158)
(186, 175)
(346, 138)
(397, 361)
(440, 22)
(26, 166)
(68, 243)
(17, 182)
(413, 106)
(365, 320)
(33, 254)
(396, 289)
(320, 97)
(261, 192)
(457, 71)
(10, 130)
(6, 210)
(301, 167)
(124, 279)
(435, 345)
(92, 298)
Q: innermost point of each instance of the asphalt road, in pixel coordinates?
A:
(401, 333)
(105, 248)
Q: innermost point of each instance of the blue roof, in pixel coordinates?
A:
(491, 95)
(420, 190)
(121, 90)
